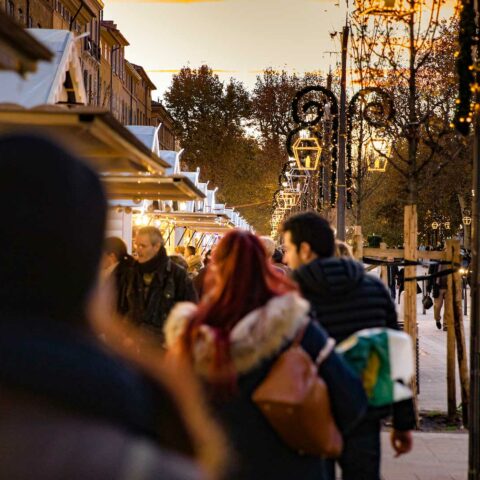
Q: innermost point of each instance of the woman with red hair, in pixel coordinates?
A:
(248, 316)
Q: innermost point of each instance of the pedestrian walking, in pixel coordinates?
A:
(70, 409)
(156, 283)
(344, 300)
(437, 286)
(246, 320)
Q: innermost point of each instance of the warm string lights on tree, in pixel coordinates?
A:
(373, 106)
(467, 38)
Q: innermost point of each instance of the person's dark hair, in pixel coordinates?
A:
(179, 260)
(192, 249)
(116, 246)
(277, 256)
(311, 228)
(54, 214)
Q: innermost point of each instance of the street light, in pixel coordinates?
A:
(307, 152)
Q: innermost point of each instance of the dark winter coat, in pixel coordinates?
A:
(255, 343)
(344, 300)
(169, 286)
(65, 398)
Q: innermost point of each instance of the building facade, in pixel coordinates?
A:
(111, 81)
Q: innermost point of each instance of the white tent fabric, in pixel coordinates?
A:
(148, 135)
(46, 85)
(173, 158)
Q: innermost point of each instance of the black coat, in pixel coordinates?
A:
(345, 299)
(169, 286)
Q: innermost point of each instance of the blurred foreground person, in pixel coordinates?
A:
(249, 315)
(156, 283)
(344, 300)
(69, 408)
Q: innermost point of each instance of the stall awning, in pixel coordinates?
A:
(200, 222)
(91, 132)
(19, 51)
(151, 187)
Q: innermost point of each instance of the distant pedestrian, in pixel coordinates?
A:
(438, 286)
(344, 300)
(156, 283)
(269, 246)
(342, 249)
(194, 261)
(199, 280)
(277, 258)
(251, 313)
(117, 265)
(180, 261)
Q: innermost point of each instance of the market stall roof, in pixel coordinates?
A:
(200, 222)
(91, 132)
(19, 51)
(173, 158)
(151, 187)
(56, 81)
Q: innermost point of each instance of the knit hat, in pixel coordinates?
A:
(51, 230)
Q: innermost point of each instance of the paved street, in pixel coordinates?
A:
(436, 456)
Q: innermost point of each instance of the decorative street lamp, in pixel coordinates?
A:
(467, 220)
(435, 225)
(307, 152)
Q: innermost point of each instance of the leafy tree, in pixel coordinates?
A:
(211, 120)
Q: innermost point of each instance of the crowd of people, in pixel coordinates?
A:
(147, 366)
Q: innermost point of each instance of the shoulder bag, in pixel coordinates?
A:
(295, 401)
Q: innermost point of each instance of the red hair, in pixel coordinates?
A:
(239, 280)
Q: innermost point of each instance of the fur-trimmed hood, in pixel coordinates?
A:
(258, 336)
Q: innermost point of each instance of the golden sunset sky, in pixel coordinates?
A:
(236, 38)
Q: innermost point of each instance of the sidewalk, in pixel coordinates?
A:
(435, 456)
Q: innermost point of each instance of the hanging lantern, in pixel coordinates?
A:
(307, 152)
(378, 153)
(392, 8)
(447, 225)
(467, 220)
(435, 225)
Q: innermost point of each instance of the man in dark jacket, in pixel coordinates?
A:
(345, 299)
(156, 283)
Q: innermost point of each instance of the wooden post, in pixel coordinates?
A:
(457, 285)
(384, 268)
(358, 243)
(410, 299)
(448, 321)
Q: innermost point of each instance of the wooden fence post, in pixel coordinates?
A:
(358, 243)
(410, 299)
(457, 284)
(448, 321)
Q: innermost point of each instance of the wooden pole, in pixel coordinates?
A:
(457, 284)
(448, 321)
(342, 136)
(410, 300)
